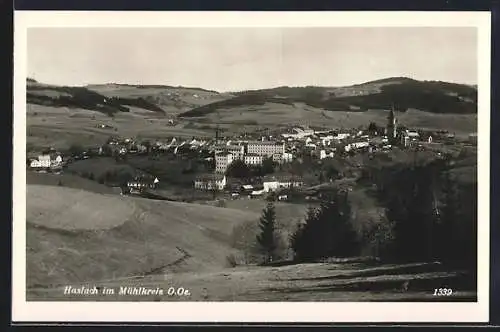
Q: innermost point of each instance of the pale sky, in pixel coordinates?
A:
(233, 59)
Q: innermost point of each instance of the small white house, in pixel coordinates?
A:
(413, 135)
(57, 161)
(342, 136)
(271, 186)
(324, 154)
(359, 145)
(282, 197)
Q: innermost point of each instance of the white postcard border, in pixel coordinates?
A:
(246, 311)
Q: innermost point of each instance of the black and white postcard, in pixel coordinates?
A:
(251, 166)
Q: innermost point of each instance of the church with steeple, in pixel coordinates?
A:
(392, 127)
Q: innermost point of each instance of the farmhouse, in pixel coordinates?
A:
(273, 183)
(210, 182)
(47, 161)
(408, 137)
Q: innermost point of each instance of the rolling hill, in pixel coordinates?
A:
(114, 98)
(401, 94)
(171, 99)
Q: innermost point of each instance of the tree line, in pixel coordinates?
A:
(428, 216)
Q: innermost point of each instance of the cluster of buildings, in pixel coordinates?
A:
(139, 184)
(324, 144)
(49, 160)
(121, 146)
(274, 183)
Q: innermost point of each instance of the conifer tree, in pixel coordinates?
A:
(266, 239)
(327, 231)
(300, 241)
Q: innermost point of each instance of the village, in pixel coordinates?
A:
(250, 166)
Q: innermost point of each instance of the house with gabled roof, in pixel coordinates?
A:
(210, 182)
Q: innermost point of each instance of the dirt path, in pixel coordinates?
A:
(302, 282)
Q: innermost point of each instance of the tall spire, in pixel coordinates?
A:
(391, 124)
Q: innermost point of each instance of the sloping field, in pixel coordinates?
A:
(299, 114)
(73, 209)
(68, 180)
(60, 127)
(172, 99)
(77, 236)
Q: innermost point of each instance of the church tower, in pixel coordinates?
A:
(392, 124)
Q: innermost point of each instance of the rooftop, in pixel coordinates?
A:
(210, 177)
(229, 147)
(223, 154)
(281, 177)
(264, 143)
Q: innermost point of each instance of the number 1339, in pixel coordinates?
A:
(443, 291)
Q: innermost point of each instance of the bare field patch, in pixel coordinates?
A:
(76, 236)
(73, 209)
(67, 180)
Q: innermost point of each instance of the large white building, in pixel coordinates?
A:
(222, 161)
(266, 148)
